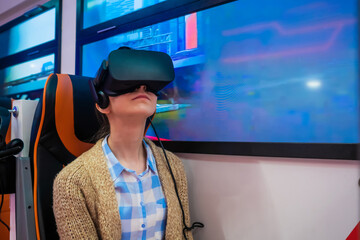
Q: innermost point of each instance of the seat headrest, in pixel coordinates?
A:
(68, 118)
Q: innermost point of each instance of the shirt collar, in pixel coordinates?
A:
(114, 165)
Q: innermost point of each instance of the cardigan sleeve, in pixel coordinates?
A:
(72, 217)
(181, 182)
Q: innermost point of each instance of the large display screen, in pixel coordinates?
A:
(98, 11)
(283, 72)
(37, 30)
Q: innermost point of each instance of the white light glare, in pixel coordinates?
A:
(313, 84)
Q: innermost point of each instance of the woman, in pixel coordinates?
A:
(122, 187)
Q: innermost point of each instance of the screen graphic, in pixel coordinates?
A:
(98, 11)
(285, 72)
(28, 71)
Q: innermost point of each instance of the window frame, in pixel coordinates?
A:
(38, 51)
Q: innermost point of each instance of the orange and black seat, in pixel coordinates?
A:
(7, 167)
(7, 163)
(67, 122)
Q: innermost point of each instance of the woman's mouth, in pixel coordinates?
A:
(141, 96)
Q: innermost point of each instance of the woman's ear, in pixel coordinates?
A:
(102, 110)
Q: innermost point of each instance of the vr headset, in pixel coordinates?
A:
(127, 69)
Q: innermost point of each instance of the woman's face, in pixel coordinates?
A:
(138, 103)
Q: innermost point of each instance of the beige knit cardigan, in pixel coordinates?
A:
(85, 204)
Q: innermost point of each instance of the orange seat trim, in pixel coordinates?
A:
(35, 160)
(8, 133)
(64, 117)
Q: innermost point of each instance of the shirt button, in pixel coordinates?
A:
(142, 225)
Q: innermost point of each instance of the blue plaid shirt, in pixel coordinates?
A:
(140, 198)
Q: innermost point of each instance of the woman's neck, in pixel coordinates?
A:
(125, 141)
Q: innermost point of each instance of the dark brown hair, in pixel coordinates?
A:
(104, 128)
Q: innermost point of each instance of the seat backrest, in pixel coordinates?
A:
(67, 123)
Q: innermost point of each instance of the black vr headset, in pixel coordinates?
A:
(127, 69)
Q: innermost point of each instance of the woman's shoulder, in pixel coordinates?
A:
(72, 174)
(78, 169)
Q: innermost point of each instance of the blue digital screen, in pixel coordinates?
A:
(98, 11)
(27, 76)
(283, 72)
(30, 70)
(35, 31)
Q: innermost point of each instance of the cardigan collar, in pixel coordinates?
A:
(104, 188)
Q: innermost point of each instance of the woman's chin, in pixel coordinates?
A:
(141, 114)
